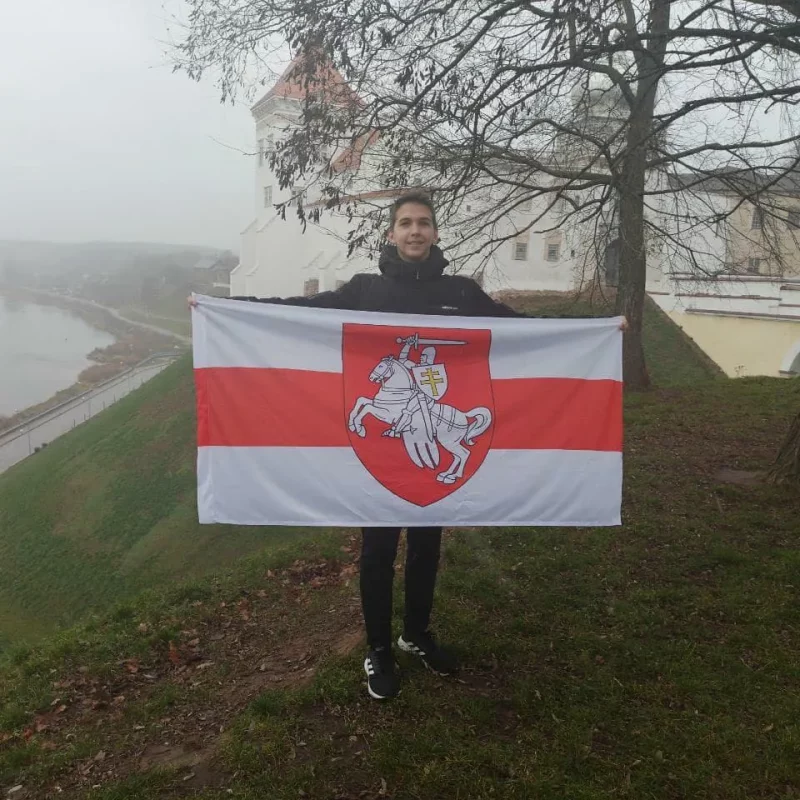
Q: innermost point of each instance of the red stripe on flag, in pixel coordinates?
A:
(270, 408)
(256, 407)
(557, 414)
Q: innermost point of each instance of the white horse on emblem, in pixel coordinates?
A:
(419, 420)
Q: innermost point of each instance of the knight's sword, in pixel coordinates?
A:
(417, 341)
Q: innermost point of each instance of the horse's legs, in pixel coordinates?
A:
(456, 468)
(357, 415)
(362, 408)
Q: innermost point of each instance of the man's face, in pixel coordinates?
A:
(413, 232)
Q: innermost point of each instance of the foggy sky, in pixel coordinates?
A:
(99, 140)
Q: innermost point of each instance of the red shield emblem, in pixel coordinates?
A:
(418, 405)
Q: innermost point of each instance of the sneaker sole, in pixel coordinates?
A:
(409, 648)
(372, 694)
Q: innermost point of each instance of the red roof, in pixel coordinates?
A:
(296, 83)
(350, 158)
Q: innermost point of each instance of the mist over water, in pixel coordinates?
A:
(43, 349)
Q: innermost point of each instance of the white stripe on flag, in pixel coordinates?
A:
(250, 485)
(233, 333)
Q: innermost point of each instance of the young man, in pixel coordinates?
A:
(411, 281)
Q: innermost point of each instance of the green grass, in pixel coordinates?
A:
(108, 510)
(657, 660)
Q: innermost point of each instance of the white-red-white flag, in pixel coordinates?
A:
(341, 418)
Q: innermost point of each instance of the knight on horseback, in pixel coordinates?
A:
(419, 402)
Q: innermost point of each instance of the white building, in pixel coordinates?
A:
(748, 323)
(279, 259)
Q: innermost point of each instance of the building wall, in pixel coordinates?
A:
(743, 346)
(775, 243)
(737, 321)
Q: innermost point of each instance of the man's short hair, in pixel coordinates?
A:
(412, 197)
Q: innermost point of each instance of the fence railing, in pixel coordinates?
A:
(27, 437)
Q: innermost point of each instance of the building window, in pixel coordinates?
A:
(260, 152)
(267, 196)
(520, 251)
(553, 252)
(753, 266)
(758, 219)
(311, 287)
(793, 220)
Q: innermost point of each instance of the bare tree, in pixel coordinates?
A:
(605, 117)
(786, 467)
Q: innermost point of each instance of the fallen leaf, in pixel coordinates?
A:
(244, 609)
(173, 655)
(384, 787)
(769, 727)
(61, 709)
(132, 665)
(142, 627)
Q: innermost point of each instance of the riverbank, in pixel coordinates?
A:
(134, 341)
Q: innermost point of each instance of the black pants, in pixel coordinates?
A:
(378, 551)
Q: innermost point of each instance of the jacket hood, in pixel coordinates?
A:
(391, 265)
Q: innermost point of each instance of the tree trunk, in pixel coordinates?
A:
(632, 255)
(631, 182)
(632, 277)
(786, 467)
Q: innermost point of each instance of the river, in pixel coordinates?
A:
(43, 349)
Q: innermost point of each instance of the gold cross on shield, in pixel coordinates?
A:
(432, 378)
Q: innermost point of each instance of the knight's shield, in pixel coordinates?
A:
(432, 380)
(387, 429)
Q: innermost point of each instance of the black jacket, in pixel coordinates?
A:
(406, 287)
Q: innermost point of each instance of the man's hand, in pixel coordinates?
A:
(191, 301)
(623, 326)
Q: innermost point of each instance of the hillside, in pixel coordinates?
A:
(109, 509)
(657, 660)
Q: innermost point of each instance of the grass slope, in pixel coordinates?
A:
(109, 509)
(657, 660)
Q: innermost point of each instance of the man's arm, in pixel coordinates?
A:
(488, 307)
(485, 306)
(346, 297)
